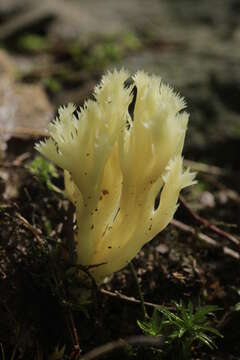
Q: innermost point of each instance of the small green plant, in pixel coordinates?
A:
(103, 54)
(130, 41)
(52, 84)
(45, 171)
(183, 328)
(32, 43)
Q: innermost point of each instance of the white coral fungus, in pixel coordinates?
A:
(116, 164)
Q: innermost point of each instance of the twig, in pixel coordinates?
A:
(21, 158)
(207, 224)
(205, 168)
(113, 345)
(77, 350)
(36, 232)
(17, 162)
(2, 274)
(207, 239)
(23, 131)
(2, 351)
(123, 297)
(133, 271)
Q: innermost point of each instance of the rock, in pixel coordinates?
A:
(33, 110)
(207, 200)
(24, 109)
(7, 66)
(162, 249)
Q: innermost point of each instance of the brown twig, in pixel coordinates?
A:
(35, 231)
(117, 344)
(205, 168)
(23, 131)
(17, 162)
(207, 239)
(77, 350)
(140, 294)
(2, 351)
(207, 224)
(123, 297)
(21, 158)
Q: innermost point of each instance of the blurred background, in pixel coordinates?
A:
(54, 51)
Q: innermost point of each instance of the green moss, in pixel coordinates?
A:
(52, 84)
(131, 41)
(32, 43)
(105, 51)
(103, 54)
(45, 171)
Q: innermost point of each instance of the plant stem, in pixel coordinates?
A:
(133, 271)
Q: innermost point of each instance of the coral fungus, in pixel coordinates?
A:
(116, 165)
